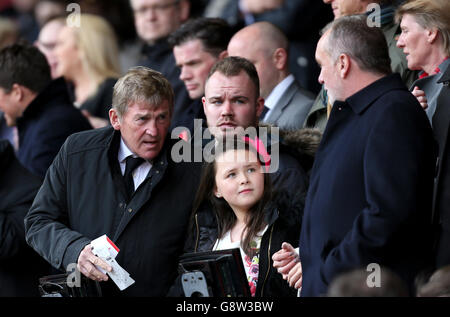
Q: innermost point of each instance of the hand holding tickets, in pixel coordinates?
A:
(98, 259)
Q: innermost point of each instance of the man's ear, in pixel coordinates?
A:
(223, 55)
(259, 106)
(17, 92)
(344, 64)
(114, 119)
(280, 58)
(432, 35)
(185, 10)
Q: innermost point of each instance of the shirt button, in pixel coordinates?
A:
(130, 210)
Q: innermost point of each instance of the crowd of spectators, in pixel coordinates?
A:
(343, 104)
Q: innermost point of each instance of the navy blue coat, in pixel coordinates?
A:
(45, 125)
(370, 193)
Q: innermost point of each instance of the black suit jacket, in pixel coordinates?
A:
(20, 266)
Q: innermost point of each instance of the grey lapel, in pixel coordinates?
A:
(283, 102)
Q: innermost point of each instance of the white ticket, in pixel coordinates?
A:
(119, 275)
(105, 249)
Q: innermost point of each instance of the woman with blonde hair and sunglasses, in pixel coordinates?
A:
(87, 54)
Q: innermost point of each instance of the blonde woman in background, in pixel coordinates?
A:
(88, 58)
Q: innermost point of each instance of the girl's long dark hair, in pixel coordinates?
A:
(226, 218)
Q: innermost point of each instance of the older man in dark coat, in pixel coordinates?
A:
(369, 201)
(123, 182)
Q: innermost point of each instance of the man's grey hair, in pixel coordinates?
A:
(351, 35)
(141, 84)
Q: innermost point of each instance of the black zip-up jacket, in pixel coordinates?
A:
(83, 197)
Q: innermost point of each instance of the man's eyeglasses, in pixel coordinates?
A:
(157, 8)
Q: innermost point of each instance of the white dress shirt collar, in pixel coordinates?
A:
(141, 172)
(124, 151)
